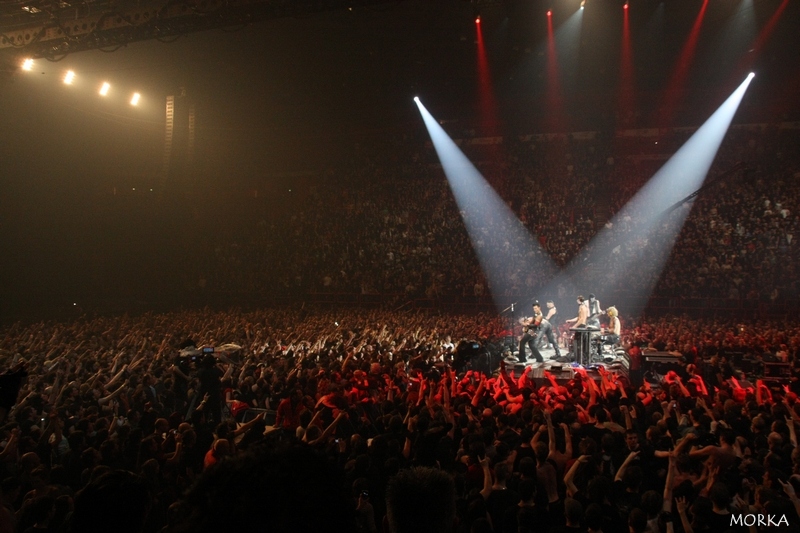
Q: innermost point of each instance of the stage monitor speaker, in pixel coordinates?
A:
(778, 371)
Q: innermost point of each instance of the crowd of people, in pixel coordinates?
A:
(300, 419)
(391, 226)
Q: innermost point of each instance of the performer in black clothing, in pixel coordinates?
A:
(530, 326)
(551, 313)
(545, 330)
(593, 322)
(550, 317)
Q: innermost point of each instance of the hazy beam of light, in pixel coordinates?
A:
(731, 44)
(677, 84)
(627, 94)
(561, 42)
(488, 104)
(766, 32)
(507, 252)
(635, 246)
(554, 94)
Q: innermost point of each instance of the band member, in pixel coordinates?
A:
(551, 312)
(550, 317)
(545, 329)
(614, 326)
(581, 344)
(583, 314)
(530, 326)
(595, 312)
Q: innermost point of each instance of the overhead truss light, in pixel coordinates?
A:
(135, 99)
(104, 89)
(69, 77)
(27, 64)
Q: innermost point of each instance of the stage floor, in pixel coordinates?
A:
(612, 361)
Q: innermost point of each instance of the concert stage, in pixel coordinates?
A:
(563, 369)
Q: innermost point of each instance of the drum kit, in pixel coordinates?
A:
(587, 345)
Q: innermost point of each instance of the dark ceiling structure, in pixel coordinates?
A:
(52, 29)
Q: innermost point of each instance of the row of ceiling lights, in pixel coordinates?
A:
(69, 78)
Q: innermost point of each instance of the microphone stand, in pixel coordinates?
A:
(509, 342)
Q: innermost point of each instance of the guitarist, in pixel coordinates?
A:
(593, 322)
(544, 329)
(530, 326)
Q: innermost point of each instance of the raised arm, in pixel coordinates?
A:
(788, 488)
(328, 430)
(550, 433)
(624, 465)
(567, 440)
(792, 433)
(572, 490)
(487, 479)
(687, 525)
(667, 505)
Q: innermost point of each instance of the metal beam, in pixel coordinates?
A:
(53, 29)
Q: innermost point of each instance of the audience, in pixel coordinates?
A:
(299, 418)
(387, 426)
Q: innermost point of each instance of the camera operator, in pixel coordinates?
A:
(210, 376)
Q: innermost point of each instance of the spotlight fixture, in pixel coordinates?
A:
(104, 89)
(27, 64)
(478, 19)
(625, 6)
(549, 12)
(69, 77)
(135, 99)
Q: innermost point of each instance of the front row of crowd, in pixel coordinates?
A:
(107, 428)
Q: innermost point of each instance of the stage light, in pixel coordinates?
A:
(625, 6)
(69, 77)
(549, 12)
(751, 75)
(27, 64)
(478, 19)
(135, 99)
(416, 99)
(652, 220)
(514, 249)
(104, 89)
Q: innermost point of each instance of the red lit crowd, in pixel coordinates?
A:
(305, 420)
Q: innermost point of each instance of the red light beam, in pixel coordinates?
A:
(677, 84)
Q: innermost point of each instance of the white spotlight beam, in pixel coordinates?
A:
(507, 252)
(635, 248)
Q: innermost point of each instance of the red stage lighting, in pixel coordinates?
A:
(625, 6)
(549, 13)
(478, 19)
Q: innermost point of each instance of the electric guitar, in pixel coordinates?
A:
(531, 324)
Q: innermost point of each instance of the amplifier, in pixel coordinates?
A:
(780, 371)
